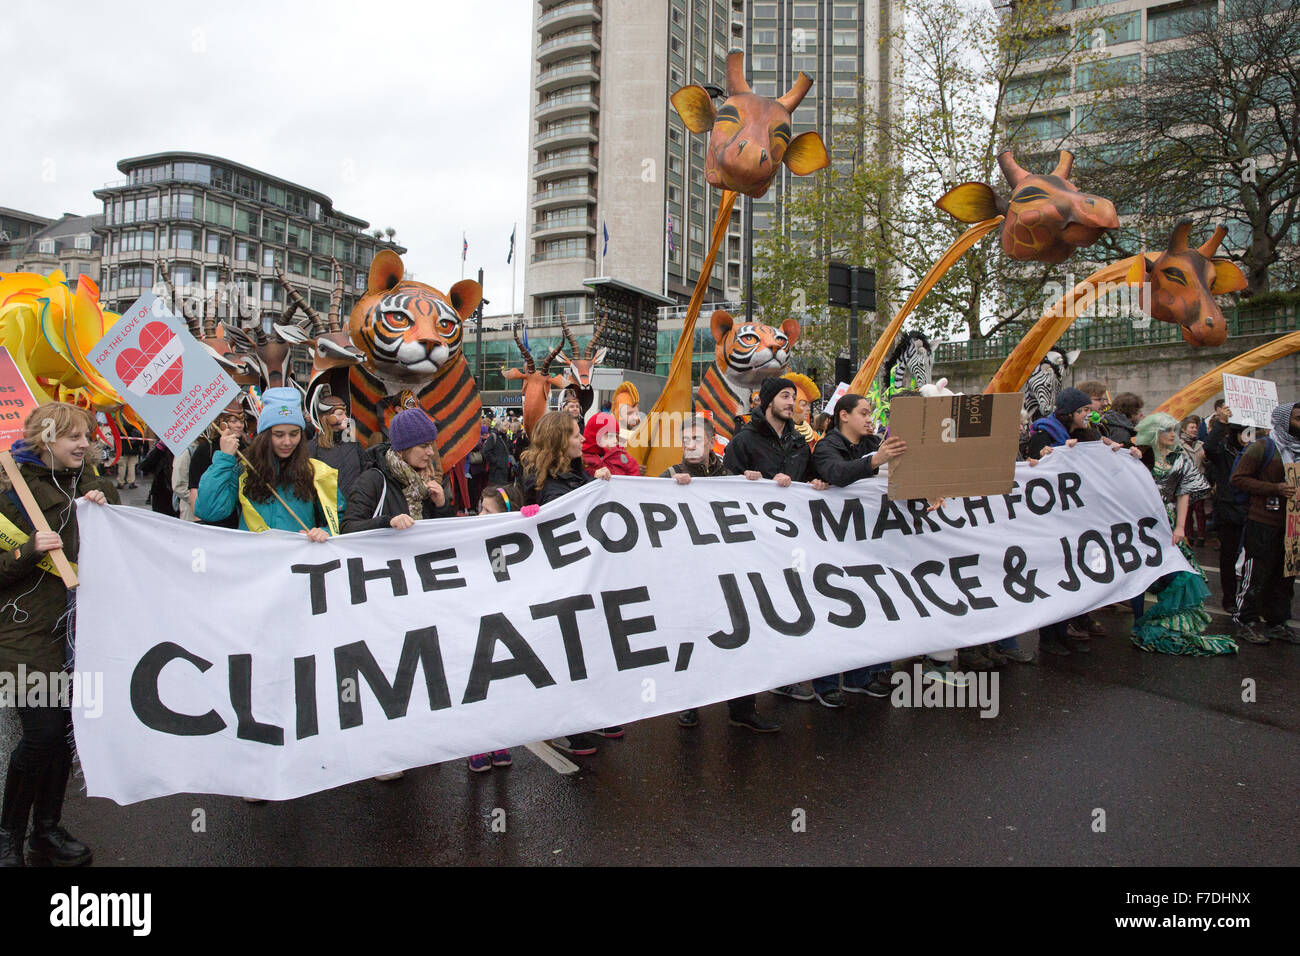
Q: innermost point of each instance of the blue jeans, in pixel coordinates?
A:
(1007, 644)
(858, 677)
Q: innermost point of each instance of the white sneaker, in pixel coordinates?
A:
(385, 777)
(944, 674)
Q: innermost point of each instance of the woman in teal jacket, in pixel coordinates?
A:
(279, 460)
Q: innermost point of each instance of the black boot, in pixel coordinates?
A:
(50, 844)
(20, 790)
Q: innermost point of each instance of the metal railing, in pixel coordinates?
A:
(568, 39)
(1121, 333)
(564, 10)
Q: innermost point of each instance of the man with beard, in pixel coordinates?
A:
(770, 447)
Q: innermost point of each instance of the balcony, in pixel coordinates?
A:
(566, 104)
(560, 256)
(564, 165)
(570, 196)
(559, 76)
(558, 228)
(568, 44)
(569, 14)
(581, 131)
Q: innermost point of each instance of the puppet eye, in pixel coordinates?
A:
(1174, 274)
(747, 338)
(782, 134)
(1030, 194)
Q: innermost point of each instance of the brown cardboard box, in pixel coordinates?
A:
(1291, 542)
(957, 445)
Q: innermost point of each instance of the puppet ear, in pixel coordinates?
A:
(599, 356)
(465, 296)
(720, 324)
(1228, 277)
(1072, 356)
(806, 154)
(791, 329)
(385, 272)
(970, 202)
(1137, 272)
(695, 107)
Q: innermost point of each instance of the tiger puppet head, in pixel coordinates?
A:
(411, 335)
(745, 355)
(410, 332)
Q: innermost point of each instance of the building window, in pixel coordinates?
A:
(151, 208)
(217, 245)
(846, 11)
(46, 246)
(767, 63)
(1117, 71)
(806, 64)
(765, 36)
(183, 238)
(765, 11)
(843, 38)
(244, 251)
(245, 221)
(1166, 23)
(805, 11)
(765, 87)
(83, 242)
(268, 257)
(846, 64)
(298, 265)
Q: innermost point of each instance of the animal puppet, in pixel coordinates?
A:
(411, 335)
(625, 405)
(1044, 383)
(908, 367)
(805, 393)
(1046, 217)
(745, 354)
(750, 134)
(578, 370)
(537, 382)
(1179, 284)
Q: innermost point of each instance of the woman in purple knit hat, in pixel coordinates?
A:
(405, 484)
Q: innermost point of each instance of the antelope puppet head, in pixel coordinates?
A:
(1179, 285)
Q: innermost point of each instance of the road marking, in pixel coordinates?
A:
(1209, 567)
(552, 757)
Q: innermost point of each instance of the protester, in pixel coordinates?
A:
(552, 468)
(1222, 449)
(768, 446)
(476, 466)
(1264, 592)
(1217, 422)
(821, 423)
(600, 448)
(1099, 396)
(849, 452)
(235, 419)
(132, 448)
(1068, 424)
(403, 481)
(277, 464)
(334, 444)
(159, 461)
(1120, 421)
(1189, 428)
(571, 406)
(496, 454)
(495, 501)
(37, 626)
(1176, 623)
(700, 461)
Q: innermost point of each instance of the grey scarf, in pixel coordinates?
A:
(413, 487)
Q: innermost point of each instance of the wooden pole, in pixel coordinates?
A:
(61, 562)
(274, 492)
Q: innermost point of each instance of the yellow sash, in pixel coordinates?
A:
(11, 536)
(326, 480)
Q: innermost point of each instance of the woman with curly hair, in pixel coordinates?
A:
(1176, 623)
(552, 468)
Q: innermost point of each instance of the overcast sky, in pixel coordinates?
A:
(407, 114)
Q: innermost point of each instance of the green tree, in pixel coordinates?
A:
(964, 82)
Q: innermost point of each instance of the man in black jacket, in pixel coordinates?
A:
(769, 447)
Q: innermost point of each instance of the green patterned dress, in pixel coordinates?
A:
(1177, 622)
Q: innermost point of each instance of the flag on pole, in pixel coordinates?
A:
(605, 227)
(511, 254)
(672, 246)
(464, 247)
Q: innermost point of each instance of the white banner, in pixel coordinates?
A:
(269, 666)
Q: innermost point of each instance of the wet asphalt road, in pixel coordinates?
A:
(1185, 771)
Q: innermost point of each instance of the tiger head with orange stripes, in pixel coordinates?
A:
(748, 352)
(410, 331)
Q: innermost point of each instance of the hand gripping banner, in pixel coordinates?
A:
(265, 665)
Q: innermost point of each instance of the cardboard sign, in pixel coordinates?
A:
(163, 372)
(957, 445)
(16, 401)
(1291, 544)
(1251, 399)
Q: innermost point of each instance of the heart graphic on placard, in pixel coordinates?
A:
(156, 363)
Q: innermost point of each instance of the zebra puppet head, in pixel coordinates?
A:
(910, 364)
(1044, 383)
